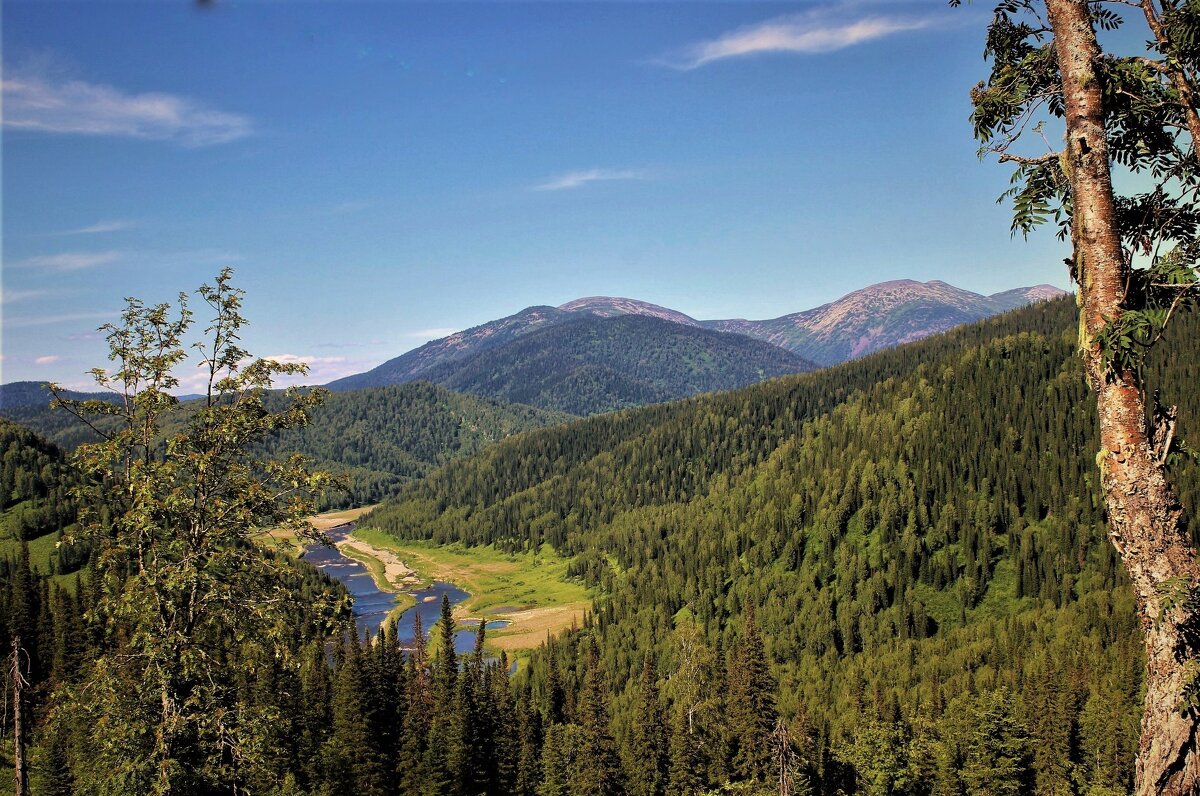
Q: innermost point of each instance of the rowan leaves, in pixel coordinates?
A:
(174, 506)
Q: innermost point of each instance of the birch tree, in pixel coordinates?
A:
(1131, 115)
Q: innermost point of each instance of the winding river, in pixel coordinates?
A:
(371, 604)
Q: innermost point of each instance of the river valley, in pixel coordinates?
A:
(373, 604)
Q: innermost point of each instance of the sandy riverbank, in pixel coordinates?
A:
(397, 575)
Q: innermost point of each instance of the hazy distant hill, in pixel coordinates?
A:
(28, 403)
(859, 323)
(592, 364)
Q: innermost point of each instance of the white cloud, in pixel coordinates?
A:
(820, 30)
(193, 376)
(320, 369)
(101, 226)
(305, 359)
(69, 261)
(49, 360)
(33, 102)
(437, 333)
(576, 179)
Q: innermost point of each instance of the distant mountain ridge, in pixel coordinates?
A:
(881, 316)
(859, 323)
(592, 363)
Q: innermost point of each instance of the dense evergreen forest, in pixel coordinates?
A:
(887, 577)
(376, 439)
(920, 532)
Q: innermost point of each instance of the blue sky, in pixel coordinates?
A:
(379, 174)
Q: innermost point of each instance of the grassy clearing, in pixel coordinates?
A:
(41, 550)
(531, 590)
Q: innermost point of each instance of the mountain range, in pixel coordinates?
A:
(862, 322)
(600, 354)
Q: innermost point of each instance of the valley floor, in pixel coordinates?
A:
(530, 591)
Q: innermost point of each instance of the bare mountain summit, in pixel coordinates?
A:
(610, 307)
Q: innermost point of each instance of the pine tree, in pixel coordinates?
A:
(350, 755)
(445, 751)
(412, 763)
(998, 755)
(529, 756)
(505, 729)
(562, 757)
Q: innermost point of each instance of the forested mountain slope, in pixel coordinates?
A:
(410, 365)
(376, 438)
(382, 437)
(919, 530)
(592, 364)
(35, 500)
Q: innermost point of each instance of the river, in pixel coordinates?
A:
(371, 605)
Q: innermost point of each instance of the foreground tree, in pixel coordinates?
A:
(175, 507)
(1134, 261)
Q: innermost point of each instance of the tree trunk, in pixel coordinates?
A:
(1143, 511)
(20, 769)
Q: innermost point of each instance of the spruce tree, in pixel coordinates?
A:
(445, 750)
(750, 704)
(350, 756)
(598, 772)
(648, 752)
(529, 756)
(685, 776)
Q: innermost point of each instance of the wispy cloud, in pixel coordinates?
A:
(69, 261)
(320, 370)
(49, 360)
(13, 296)
(34, 102)
(101, 226)
(55, 320)
(305, 359)
(579, 178)
(819, 30)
